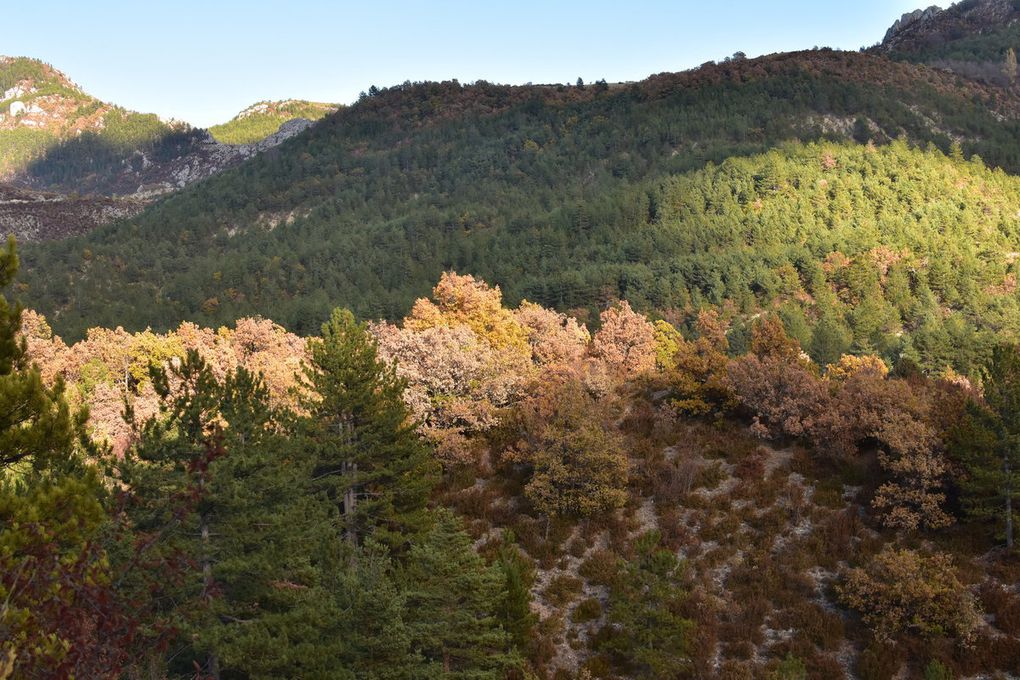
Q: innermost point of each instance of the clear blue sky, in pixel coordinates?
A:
(204, 61)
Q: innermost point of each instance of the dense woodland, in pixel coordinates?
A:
(552, 192)
(484, 491)
(727, 386)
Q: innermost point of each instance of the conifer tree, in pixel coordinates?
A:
(987, 443)
(368, 458)
(647, 633)
(376, 640)
(518, 574)
(36, 428)
(453, 605)
(219, 491)
(59, 614)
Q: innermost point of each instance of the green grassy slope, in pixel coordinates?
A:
(263, 119)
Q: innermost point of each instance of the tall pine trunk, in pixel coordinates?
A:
(1009, 502)
(350, 501)
(212, 661)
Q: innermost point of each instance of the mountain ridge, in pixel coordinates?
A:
(264, 118)
(370, 205)
(107, 161)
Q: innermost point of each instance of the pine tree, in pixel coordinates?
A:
(453, 605)
(987, 443)
(647, 634)
(219, 492)
(1009, 66)
(518, 574)
(368, 457)
(270, 613)
(36, 428)
(59, 614)
(377, 643)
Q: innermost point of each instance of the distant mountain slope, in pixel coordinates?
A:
(555, 193)
(57, 139)
(970, 38)
(263, 119)
(40, 108)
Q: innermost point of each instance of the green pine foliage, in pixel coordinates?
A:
(516, 616)
(59, 615)
(37, 431)
(453, 605)
(365, 447)
(245, 549)
(376, 639)
(647, 634)
(986, 443)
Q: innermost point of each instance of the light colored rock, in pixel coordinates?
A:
(911, 18)
(17, 108)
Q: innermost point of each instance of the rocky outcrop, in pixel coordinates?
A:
(206, 158)
(168, 155)
(910, 20)
(35, 215)
(924, 28)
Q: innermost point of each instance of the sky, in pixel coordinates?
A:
(202, 62)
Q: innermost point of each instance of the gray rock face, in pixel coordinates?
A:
(923, 28)
(911, 19)
(208, 158)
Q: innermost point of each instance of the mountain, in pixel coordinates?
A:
(108, 161)
(40, 108)
(566, 196)
(701, 376)
(263, 119)
(969, 38)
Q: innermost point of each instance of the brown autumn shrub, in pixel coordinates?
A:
(562, 589)
(1003, 605)
(902, 591)
(625, 342)
(601, 568)
(880, 661)
(578, 464)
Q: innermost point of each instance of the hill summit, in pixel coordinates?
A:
(265, 118)
(970, 38)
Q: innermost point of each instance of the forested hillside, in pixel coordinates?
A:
(971, 38)
(51, 130)
(551, 191)
(888, 249)
(57, 138)
(711, 375)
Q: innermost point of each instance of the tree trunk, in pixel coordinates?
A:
(212, 661)
(350, 502)
(1009, 503)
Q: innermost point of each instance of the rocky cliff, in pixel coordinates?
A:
(925, 29)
